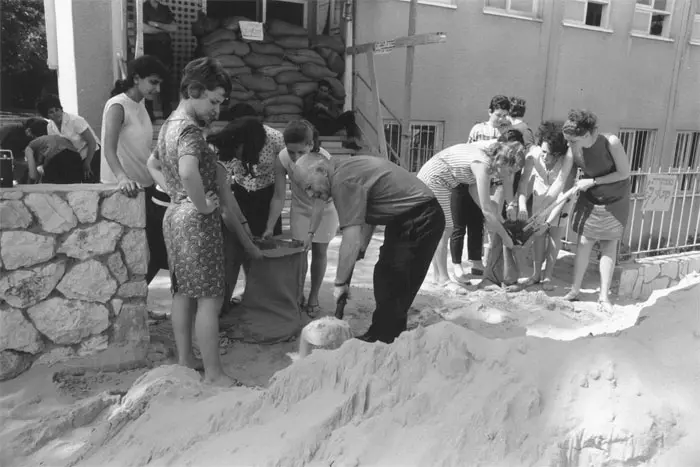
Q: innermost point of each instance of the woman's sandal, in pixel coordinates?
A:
(571, 296)
(312, 310)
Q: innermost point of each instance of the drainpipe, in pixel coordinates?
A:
(348, 14)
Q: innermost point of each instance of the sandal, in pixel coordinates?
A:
(571, 296)
(605, 306)
(312, 310)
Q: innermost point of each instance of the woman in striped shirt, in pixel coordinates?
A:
(474, 165)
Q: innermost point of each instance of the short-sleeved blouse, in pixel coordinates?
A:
(264, 170)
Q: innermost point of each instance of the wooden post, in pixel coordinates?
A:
(379, 123)
(138, 49)
(312, 19)
(407, 92)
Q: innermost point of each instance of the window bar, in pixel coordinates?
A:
(663, 216)
(697, 222)
(678, 235)
(651, 228)
(641, 229)
(673, 211)
(630, 228)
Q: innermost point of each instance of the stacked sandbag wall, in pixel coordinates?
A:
(276, 74)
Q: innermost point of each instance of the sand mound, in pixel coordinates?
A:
(439, 396)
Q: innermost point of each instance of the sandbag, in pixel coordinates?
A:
(266, 49)
(282, 109)
(301, 56)
(282, 89)
(255, 60)
(231, 23)
(335, 63)
(204, 25)
(218, 36)
(315, 71)
(334, 43)
(291, 77)
(227, 48)
(277, 27)
(283, 118)
(238, 71)
(293, 42)
(236, 86)
(241, 95)
(270, 311)
(337, 87)
(284, 100)
(230, 61)
(254, 103)
(277, 69)
(258, 82)
(303, 89)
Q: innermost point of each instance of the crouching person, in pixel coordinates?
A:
(51, 158)
(369, 191)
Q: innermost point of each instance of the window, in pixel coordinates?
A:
(695, 34)
(593, 13)
(686, 157)
(639, 146)
(652, 17)
(426, 141)
(529, 8)
(443, 3)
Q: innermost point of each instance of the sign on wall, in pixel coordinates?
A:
(251, 30)
(658, 195)
(384, 47)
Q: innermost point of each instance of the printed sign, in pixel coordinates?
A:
(383, 47)
(251, 30)
(658, 195)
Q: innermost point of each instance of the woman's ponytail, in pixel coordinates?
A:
(120, 86)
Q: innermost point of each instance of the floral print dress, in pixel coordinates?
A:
(193, 240)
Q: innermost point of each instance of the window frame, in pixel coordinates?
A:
(581, 23)
(534, 14)
(686, 158)
(666, 31)
(628, 137)
(695, 27)
(394, 126)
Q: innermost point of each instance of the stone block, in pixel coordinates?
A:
(67, 321)
(131, 326)
(651, 272)
(117, 268)
(90, 281)
(22, 248)
(13, 364)
(14, 215)
(683, 268)
(95, 240)
(16, 333)
(11, 195)
(55, 355)
(116, 305)
(93, 345)
(27, 287)
(127, 211)
(54, 214)
(647, 289)
(637, 291)
(84, 204)
(133, 289)
(694, 264)
(660, 283)
(135, 250)
(670, 269)
(628, 279)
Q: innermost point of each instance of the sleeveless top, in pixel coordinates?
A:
(597, 161)
(134, 143)
(302, 204)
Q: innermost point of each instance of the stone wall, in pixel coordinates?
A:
(73, 260)
(640, 278)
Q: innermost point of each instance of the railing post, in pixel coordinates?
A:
(379, 123)
(405, 140)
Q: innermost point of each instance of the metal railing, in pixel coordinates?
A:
(426, 141)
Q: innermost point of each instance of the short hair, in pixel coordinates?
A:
(143, 67)
(38, 126)
(302, 131)
(499, 102)
(550, 132)
(512, 135)
(201, 74)
(242, 109)
(508, 154)
(517, 107)
(579, 122)
(248, 132)
(49, 101)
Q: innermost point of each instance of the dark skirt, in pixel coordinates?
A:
(256, 207)
(154, 231)
(600, 221)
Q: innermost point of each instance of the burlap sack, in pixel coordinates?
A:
(255, 60)
(284, 100)
(266, 49)
(334, 43)
(230, 61)
(282, 89)
(293, 42)
(277, 27)
(275, 70)
(282, 109)
(231, 22)
(258, 82)
(303, 89)
(218, 36)
(316, 72)
(291, 77)
(302, 56)
(238, 71)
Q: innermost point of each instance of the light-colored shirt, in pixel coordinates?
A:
(302, 203)
(453, 166)
(264, 170)
(134, 143)
(71, 127)
(47, 146)
(482, 132)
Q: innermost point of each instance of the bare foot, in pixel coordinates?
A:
(192, 362)
(605, 306)
(441, 281)
(547, 285)
(221, 381)
(532, 280)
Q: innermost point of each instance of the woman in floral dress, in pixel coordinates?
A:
(192, 226)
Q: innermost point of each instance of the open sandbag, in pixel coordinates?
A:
(282, 109)
(258, 82)
(303, 89)
(204, 25)
(282, 90)
(293, 42)
(230, 61)
(255, 60)
(301, 56)
(284, 100)
(277, 27)
(266, 49)
(315, 71)
(337, 87)
(218, 36)
(241, 95)
(334, 43)
(231, 23)
(238, 71)
(277, 69)
(270, 311)
(291, 77)
(283, 118)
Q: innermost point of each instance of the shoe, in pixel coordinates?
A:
(367, 337)
(352, 145)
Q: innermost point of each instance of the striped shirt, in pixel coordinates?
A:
(483, 131)
(453, 166)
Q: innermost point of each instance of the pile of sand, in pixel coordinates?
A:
(439, 396)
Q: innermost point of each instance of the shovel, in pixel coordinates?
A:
(342, 300)
(538, 218)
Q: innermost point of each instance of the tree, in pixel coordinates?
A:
(24, 73)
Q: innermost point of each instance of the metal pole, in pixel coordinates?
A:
(349, 58)
(406, 120)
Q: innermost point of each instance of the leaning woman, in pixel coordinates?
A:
(312, 220)
(127, 138)
(601, 211)
(474, 165)
(196, 183)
